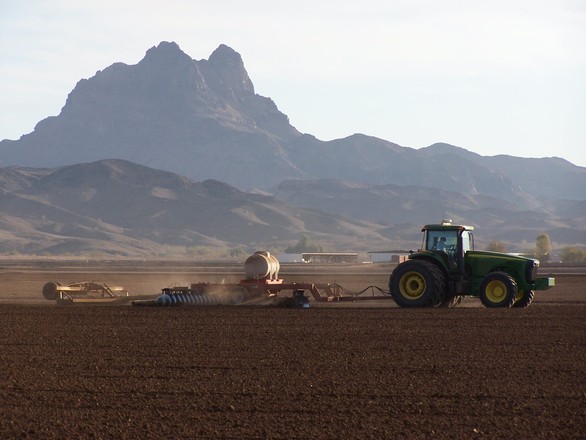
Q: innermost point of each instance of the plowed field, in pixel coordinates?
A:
(254, 372)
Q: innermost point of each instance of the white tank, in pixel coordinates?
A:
(262, 265)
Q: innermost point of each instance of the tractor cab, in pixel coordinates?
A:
(448, 241)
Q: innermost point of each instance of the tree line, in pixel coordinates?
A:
(543, 250)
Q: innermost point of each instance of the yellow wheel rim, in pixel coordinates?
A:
(412, 285)
(496, 291)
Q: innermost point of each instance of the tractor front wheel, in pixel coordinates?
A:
(416, 283)
(498, 289)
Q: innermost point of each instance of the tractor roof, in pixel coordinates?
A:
(447, 225)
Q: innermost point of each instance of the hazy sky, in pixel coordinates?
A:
(490, 76)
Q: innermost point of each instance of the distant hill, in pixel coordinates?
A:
(545, 177)
(115, 207)
(407, 208)
(204, 120)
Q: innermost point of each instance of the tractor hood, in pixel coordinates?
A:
(503, 256)
(523, 269)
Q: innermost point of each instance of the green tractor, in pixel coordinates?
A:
(447, 268)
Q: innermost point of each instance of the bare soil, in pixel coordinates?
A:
(261, 372)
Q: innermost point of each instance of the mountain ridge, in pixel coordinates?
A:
(211, 147)
(115, 207)
(122, 208)
(203, 119)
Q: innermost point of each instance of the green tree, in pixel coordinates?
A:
(305, 244)
(543, 247)
(573, 255)
(496, 246)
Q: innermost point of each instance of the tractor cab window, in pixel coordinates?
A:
(441, 241)
(467, 241)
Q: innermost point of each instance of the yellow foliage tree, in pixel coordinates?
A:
(543, 247)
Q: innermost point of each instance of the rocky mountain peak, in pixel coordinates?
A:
(166, 53)
(225, 55)
(228, 71)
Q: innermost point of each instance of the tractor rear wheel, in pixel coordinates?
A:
(498, 289)
(524, 298)
(417, 283)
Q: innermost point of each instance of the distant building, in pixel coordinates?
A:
(397, 256)
(330, 257)
(290, 258)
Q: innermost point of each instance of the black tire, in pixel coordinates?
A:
(524, 299)
(417, 283)
(498, 289)
(50, 290)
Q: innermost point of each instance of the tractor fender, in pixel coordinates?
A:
(431, 258)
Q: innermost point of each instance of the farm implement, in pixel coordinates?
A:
(87, 292)
(253, 291)
(261, 282)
